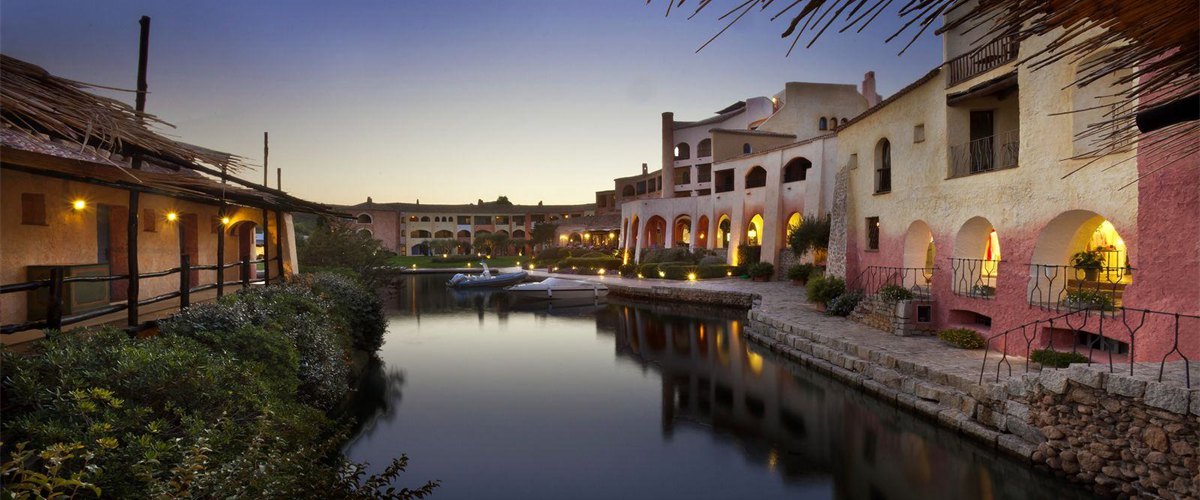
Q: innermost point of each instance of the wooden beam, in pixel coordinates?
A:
(132, 238)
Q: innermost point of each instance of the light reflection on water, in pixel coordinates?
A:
(639, 401)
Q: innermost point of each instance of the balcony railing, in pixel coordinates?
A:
(975, 277)
(994, 152)
(1060, 288)
(916, 279)
(981, 60)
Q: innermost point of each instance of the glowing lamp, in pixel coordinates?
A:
(79, 204)
(662, 274)
(601, 272)
(728, 273)
(752, 233)
(701, 235)
(172, 216)
(691, 276)
(531, 267)
(640, 276)
(225, 220)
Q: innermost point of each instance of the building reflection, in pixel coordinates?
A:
(798, 423)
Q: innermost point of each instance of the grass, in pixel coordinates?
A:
(426, 262)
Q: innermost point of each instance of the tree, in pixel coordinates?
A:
(811, 235)
(503, 200)
(543, 233)
(337, 244)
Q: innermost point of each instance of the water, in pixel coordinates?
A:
(640, 401)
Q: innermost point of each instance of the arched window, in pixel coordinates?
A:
(443, 234)
(364, 218)
(425, 219)
(464, 234)
(419, 233)
(747, 149)
(883, 166)
(520, 233)
(723, 228)
(843, 121)
(366, 232)
(796, 170)
(627, 191)
(823, 124)
(833, 123)
(704, 148)
(756, 177)
(683, 151)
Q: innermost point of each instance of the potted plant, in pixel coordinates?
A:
(760, 271)
(983, 291)
(799, 273)
(1090, 262)
(1089, 299)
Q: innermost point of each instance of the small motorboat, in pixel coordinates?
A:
(558, 289)
(486, 279)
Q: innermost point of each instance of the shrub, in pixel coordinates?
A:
(760, 270)
(844, 304)
(895, 293)
(823, 289)
(1089, 299)
(711, 260)
(1057, 359)
(713, 271)
(591, 263)
(340, 244)
(983, 291)
(675, 254)
(628, 270)
(676, 271)
(962, 338)
(358, 307)
(800, 272)
(450, 259)
(811, 235)
(749, 254)
(647, 270)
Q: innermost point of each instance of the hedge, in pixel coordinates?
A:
(603, 262)
(962, 338)
(1057, 359)
(823, 289)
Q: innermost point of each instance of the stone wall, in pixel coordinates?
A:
(836, 264)
(690, 295)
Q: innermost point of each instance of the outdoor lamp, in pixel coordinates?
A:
(752, 233)
(172, 216)
(79, 204)
(691, 276)
(225, 220)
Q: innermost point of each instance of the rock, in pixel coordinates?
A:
(1070, 467)
(1101, 450)
(1168, 397)
(1051, 432)
(1124, 385)
(1053, 380)
(1156, 457)
(1182, 449)
(1083, 396)
(1111, 405)
(1156, 438)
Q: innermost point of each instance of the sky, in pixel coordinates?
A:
(444, 101)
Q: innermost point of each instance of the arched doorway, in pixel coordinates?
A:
(976, 261)
(754, 230)
(919, 254)
(656, 232)
(702, 232)
(1079, 254)
(683, 231)
(723, 228)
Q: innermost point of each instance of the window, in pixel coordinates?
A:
(853, 162)
(501, 219)
(482, 220)
(535, 218)
(682, 151)
(704, 173)
(641, 187)
(756, 177)
(420, 233)
(464, 220)
(747, 149)
(796, 170)
(149, 220)
(33, 209)
(843, 121)
(823, 124)
(883, 166)
(425, 219)
(724, 180)
(872, 233)
(704, 148)
(919, 133)
(627, 191)
(519, 220)
(412, 218)
(833, 123)
(364, 218)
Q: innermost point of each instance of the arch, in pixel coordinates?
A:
(363, 230)
(796, 169)
(575, 238)
(919, 251)
(756, 177)
(976, 262)
(843, 121)
(363, 219)
(463, 233)
(833, 123)
(704, 148)
(747, 148)
(519, 233)
(683, 230)
(683, 151)
(702, 232)
(419, 249)
(754, 230)
(1053, 270)
(443, 234)
(482, 232)
(883, 166)
(633, 236)
(656, 232)
(823, 124)
(793, 223)
(724, 226)
(419, 233)
(627, 191)
(503, 232)
(425, 218)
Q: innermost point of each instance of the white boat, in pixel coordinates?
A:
(486, 279)
(558, 289)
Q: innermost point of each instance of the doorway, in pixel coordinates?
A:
(982, 140)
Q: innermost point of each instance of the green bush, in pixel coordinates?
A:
(811, 235)
(749, 254)
(454, 258)
(358, 307)
(628, 270)
(800, 272)
(761, 270)
(647, 270)
(894, 293)
(602, 261)
(1057, 359)
(677, 271)
(713, 271)
(962, 338)
(823, 289)
(340, 244)
(711, 260)
(1089, 299)
(844, 304)
(674, 254)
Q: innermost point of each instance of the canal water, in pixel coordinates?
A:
(626, 400)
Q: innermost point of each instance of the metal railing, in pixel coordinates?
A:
(990, 56)
(1058, 288)
(1091, 323)
(994, 152)
(918, 280)
(56, 283)
(974, 278)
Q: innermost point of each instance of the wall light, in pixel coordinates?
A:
(225, 220)
(691, 276)
(172, 216)
(79, 204)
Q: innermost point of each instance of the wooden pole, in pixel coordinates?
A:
(54, 311)
(143, 58)
(132, 257)
(221, 228)
(185, 281)
(279, 238)
(266, 217)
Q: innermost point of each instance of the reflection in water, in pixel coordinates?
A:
(504, 402)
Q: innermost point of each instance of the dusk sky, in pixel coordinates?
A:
(446, 101)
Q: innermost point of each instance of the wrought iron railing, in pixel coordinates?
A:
(990, 56)
(974, 277)
(918, 280)
(994, 152)
(55, 319)
(1059, 288)
(1123, 324)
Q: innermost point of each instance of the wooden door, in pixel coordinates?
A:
(982, 140)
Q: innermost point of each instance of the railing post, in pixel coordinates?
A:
(185, 285)
(54, 310)
(133, 291)
(245, 272)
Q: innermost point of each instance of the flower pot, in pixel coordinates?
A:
(1090, 274)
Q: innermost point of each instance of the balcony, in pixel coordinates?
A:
(1061, 287)
(986, 58)
(994, 152)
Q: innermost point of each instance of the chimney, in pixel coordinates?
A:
(868, 89)
(369, 200)
(645, 169)
(667, 181)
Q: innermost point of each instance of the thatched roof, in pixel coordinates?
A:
(33, 100)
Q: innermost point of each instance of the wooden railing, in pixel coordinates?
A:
(55, 319)
(981, 60)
